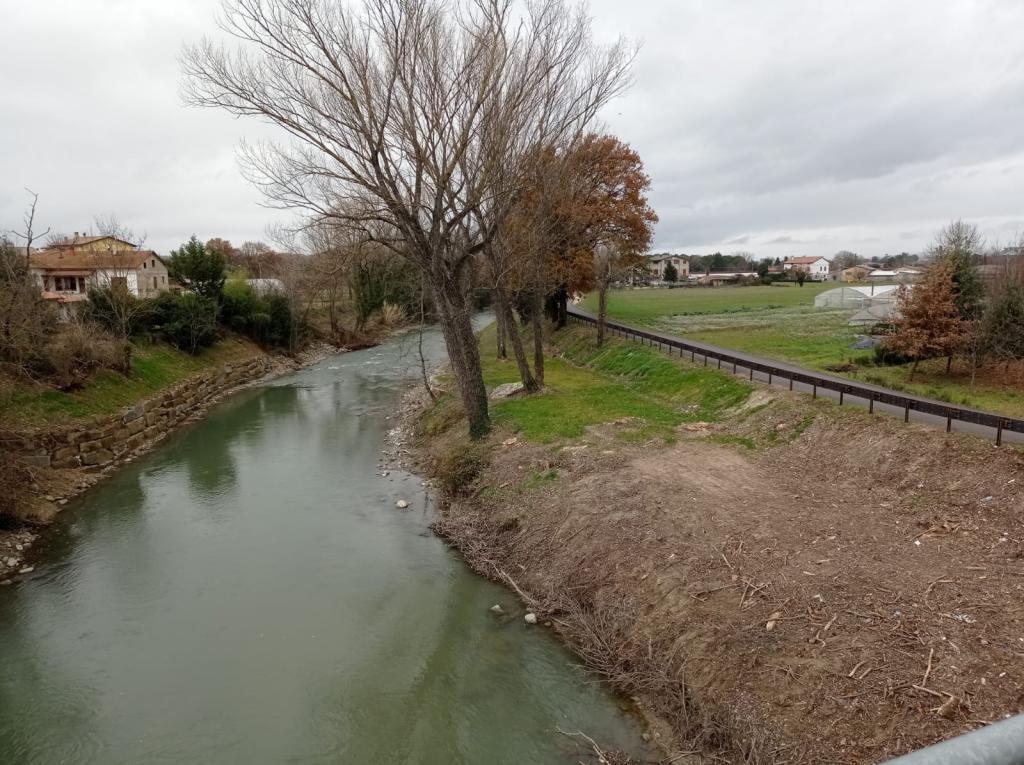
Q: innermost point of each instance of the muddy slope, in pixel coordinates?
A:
(847, 590)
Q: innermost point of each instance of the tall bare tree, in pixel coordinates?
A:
(408, 118)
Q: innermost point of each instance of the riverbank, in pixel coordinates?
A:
(247, 593)
(63, 459)
(778, 579)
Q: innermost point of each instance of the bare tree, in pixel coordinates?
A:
(111, 225)
(29, 234)
(410, 120)
(25, 319)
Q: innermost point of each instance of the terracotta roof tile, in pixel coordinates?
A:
(61, 260)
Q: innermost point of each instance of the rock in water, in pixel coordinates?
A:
(401, 504)
(530, 618)
(496, 609)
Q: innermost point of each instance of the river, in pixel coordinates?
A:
(248, 593)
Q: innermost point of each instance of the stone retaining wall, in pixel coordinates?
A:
(107, 440)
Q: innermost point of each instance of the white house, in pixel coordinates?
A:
(656, 265)
(65, 273)
(817, 269)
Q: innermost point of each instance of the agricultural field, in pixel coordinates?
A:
(781, 322)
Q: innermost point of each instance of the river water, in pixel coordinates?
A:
(248, 593)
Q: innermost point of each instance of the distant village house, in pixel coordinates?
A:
(657, 264)
(817, 269)
(66, 270)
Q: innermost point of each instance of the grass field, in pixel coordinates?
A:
(649, 304)
(781, 322)
(154, 367)
(592, 386)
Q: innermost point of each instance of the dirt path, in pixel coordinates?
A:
(853, 593)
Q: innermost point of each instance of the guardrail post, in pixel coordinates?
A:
(769, 378)
(841, 395)
(693, 357)
(719, 362)
(705, 359)
(906, 413)
(814, 394)
(751, 374)
(871, 404)
(791, 382)
(999, 434)
(734, 366)
(949, 421)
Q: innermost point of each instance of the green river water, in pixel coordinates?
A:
(248, 593)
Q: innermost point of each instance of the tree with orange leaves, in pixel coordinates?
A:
(606, 208)
(930, 323)
(584, 221)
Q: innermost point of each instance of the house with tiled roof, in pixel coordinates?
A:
(65, 271)
(656, 266)
(817, 269)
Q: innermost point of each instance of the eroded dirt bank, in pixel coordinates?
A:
(803, 584)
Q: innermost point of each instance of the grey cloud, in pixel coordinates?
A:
(777, 126)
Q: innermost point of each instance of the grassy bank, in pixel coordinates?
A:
(781, 322)
(589, 386)
(703, 570)
(154, 368)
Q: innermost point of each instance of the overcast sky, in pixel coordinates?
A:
(780, 128)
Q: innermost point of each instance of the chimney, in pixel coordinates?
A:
(75, 236)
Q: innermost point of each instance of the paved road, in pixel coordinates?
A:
(694, 349)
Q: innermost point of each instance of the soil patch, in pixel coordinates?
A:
(790, 587)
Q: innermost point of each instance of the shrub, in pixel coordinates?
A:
(117, 311)
(266, 319)
(379, 281)
(77, 351)
(26, 320)
(460, 465)
(887, 357)
(188, 321)
(391, 315)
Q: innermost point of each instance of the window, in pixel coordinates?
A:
(154, 283)
(65, 283)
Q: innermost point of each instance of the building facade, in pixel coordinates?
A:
(656, 267)
(66, 271)
(817, 268)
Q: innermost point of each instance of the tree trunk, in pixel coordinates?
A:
(602, 311)
(563, 308)
(501, 327)
(949, 363)
(463, 352)
(419, 345)
(504, 310)
(538, 337)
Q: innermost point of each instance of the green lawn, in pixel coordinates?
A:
(590, 386)
(781, 322)
(646, 304)
(154, 367)
(778, 321)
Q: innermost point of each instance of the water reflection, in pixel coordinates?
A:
(248, 594)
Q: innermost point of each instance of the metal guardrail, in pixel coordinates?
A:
(872, 394)
(1001, 743)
